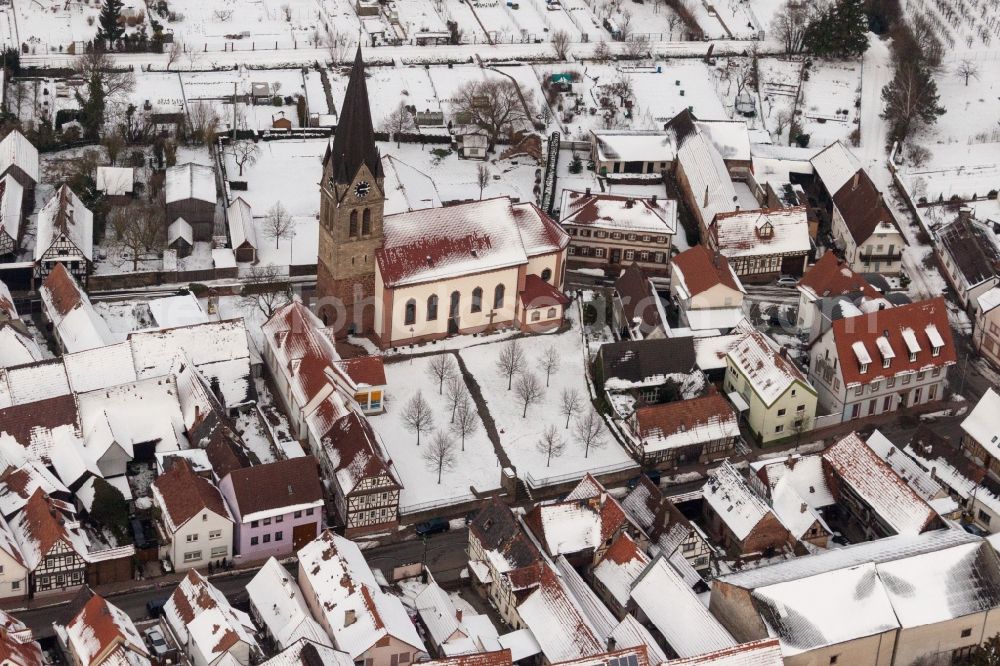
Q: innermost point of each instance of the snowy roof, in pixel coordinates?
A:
(765, 652)
(501, 536)
(983, 422)
(438, 243)
(620, 567)
(241, 227)
(556, 623)
(438, 613)
(805, 474)
(762, 232)
(216, 631)
(16, 150)
(17, 485)
(17, 644)
(194, 596)
(571, 526)
(115, 181)
(223, 257)
(77, 323)
(677, 613)
(989, 300)
(831, 276)
(889, 496)
(861, 352)
(175, 311)
(98, 628)
(16, 347)
(11, 197)
(64, 215)
(182, 495)
(190, 181)
(835, 165)
(855, 605)
(731, 497)
(41, 524)
(686, 423)
(100, 367)
(708, 178)
(34, 382)
(631, 633)
(654, 361)
(280, 606)
(180, 228)
(593, 609)
(617, 212)
(730, 137)
(905, 467)
(769, 373)
(698, 269)
(793, 510)
(86, 493)
(33, 427)
(305, 652)
(343, 582)
(710, 352)
(633, 146)
(407, 188)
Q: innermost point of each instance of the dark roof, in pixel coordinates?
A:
(185, 494)
(701, 269)
(972, 250)
(862, 206)
(276, 485)
(682, 125)
(638, 298)
(831, 276)
(354, 138)
(22, 422)
(636, 360)
(225, 452)
(497, 529)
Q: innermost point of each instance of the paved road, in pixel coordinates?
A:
(445, 556)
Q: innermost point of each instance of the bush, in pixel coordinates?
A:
(802, 140)
(110, 510)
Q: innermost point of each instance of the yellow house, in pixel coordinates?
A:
(772, 394)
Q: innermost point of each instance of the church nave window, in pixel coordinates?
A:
(432, 307)
(410, 315)
(477, 299)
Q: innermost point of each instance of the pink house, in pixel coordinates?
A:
(278, 507)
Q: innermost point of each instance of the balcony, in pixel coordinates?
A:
(881, 257)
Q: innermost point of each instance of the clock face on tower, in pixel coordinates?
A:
(361, 189)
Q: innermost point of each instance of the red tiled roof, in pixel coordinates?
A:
(862, 207)
(20, 421)
(702, 270)
(830, 276)
(43, 523)
(498, 658)
(185, 494)
(104, 627)
(891, 324)
(17, 645)
(369, 370)
(683, 415)
(276, 485)
(623, 550)
(64, 290)
(352, 439)
(538, 293)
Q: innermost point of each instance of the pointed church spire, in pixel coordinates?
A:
(354, 139)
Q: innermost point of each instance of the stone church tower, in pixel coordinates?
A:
(352, 199)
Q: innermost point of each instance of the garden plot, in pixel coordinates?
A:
(958, 170)
(583, 17)
(496, 19)
(519, 436)
(52, 25)
(8, 29)
(779, 84)
(970, 110)
(409, 85)
(475, 467)
(224, 84)
(532, 21)
(447, 81)
(654, 19)
(459, 12)
(554, 19)
(964, 27)
(288, 171)
(419, 16)
(198, 23)
(831, 101)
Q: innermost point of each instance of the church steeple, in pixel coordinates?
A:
(354, 139)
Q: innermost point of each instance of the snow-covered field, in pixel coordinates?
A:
(519, 435)
(475, 467)
(831, 99)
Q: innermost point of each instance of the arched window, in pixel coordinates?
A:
(366, 223)
(353, 229)
(410, 316)
(536, 315)
(432, 307)
(477, 299)
(498, 297)
(547, 274)
(551, 314)
(456, 300)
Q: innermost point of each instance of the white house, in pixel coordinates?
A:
(865, 228)
(13, 571)
(706, 290)
(102, 633)
(77, 326)
(277, 604)
(196, 524)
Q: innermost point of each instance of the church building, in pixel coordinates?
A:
(426, 274)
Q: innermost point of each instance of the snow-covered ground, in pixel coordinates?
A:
(519, 435)
(831, 100)
(475, 467)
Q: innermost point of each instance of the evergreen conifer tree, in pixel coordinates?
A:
(111, 30)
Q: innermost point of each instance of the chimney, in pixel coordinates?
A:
(350, 617)
(783, 351)
(458, 614)
(588, 191)
(856, 180)
(653, 199)
(629, 203)
(803, 507)
(705, 203)
(964, 213)
(612, 643)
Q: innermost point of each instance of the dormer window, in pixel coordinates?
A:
(864, 368)
(765, 230)
(935, 351)
(913, 356)
(886, 362)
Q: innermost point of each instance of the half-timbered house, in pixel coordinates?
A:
(64, 235)
(52, 545)
(762, 244)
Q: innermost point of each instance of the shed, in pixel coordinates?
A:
(180, 237)
(190, 193)
(242, 234)
(115, 181)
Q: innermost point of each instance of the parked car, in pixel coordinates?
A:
(787, 281)
(432, 526)
(157, 644)
(155, 606)
(972, 528)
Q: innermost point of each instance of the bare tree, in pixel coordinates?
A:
(569, 404)
(138, 231)
(116, 83)
(466, 420)
(781, 121)
(511, 361)
(338, 45)
(529, 390)
(622, 88)
(279, 223)
(672, 21)
(589, 429)
(113, 143)
(549, 362)
(398, 121)
(245, 153)
(441, 368)
(917, 155)
(497, 105)
(637, 45)
(417, 416)
(602, 52)
(551, 445)
(440, 455)
(204, 122)
(790, 24)
(482, 178)
(266, 288)
(560, 44)
(174, 52)
(967, 69)
(454, 392)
